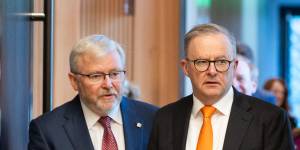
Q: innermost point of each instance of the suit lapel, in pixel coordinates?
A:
(76, 128)
(132, 125)
(181, 122)
(238, 123)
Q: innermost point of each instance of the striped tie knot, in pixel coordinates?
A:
(105, 121)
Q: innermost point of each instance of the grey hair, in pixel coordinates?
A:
(205, 29)
(99, 44)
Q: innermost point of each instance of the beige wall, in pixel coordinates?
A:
(157, 50)
(37, 75)
(66, 34)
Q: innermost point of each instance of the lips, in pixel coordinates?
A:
(112, 94)
(211, 82)
(108, 95)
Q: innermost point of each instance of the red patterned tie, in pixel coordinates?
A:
(108, 141)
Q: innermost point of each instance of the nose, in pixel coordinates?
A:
(106, 83)
(212, 69)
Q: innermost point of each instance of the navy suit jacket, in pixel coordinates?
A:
(65, 127)
(253, 125)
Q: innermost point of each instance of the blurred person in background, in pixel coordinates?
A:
(131, 90)
(243, 80)
(279, 89)
(250, 84)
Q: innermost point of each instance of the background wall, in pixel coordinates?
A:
(255, 23)
(150, 37)
(268, 38)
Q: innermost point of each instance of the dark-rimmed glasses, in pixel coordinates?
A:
(202, 65)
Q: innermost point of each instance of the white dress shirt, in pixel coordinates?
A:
(219, 121)
(96, 130)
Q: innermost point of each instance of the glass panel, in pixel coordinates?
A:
(294, 71)
(16, 66)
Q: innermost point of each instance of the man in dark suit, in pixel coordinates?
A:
(99, 117)
(216, 116)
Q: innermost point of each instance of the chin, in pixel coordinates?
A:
(214, 89)
(106, 105)
(213, 93)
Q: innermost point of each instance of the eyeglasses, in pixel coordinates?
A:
(202, 65)
(99, 77)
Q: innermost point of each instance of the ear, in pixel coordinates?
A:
(184, 65)
(73, 81)
(236, 63)
(254, 86)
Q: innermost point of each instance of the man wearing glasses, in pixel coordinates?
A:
(216, 116)
(99, 117)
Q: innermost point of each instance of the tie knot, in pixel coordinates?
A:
(105, 121)
(207, 111)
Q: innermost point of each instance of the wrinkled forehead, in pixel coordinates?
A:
(211, 45)
(96, 53)
(91, 62)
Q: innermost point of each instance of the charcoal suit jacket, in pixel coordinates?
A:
(253, 125)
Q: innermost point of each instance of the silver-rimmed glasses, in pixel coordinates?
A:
(99, 77)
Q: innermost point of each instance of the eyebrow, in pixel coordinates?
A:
(216, 58)
(99, 72)
(222, 57)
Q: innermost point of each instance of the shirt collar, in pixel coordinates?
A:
(223, 105)
(92, 118)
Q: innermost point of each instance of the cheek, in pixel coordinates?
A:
(281, 96)
(190, 71)
(229, 76)
(226, 80)
(90, 90)
(277, 95)
(118, 86)
(197, 77)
